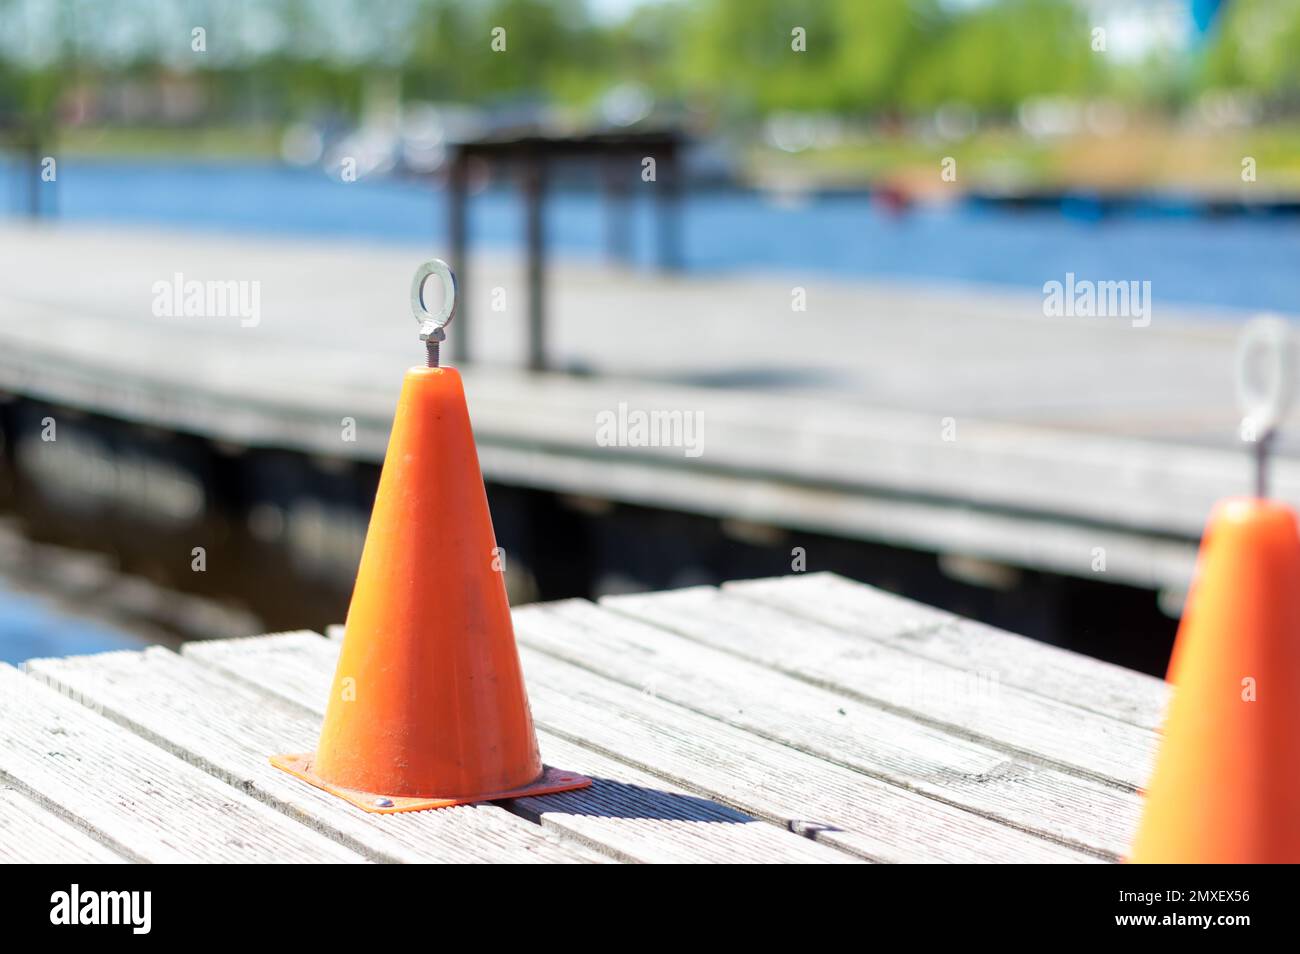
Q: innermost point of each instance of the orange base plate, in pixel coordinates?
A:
(551, 781)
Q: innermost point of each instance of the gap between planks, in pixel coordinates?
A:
(31, 834)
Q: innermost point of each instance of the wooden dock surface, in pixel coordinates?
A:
(804, 719)
(946, 421)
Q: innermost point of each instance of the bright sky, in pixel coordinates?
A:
(1133, 26)
(612, 9)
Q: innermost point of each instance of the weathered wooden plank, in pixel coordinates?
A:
(144, 803)
(835, 805)
(30, 834)
(1025, 663)
(977, 704)
(229, 729)
(1074, 810)
(626, 813)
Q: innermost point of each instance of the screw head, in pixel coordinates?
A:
(382, 802)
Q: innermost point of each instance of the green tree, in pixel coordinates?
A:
(1255, 46)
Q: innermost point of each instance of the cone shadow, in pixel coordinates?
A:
(608, 798)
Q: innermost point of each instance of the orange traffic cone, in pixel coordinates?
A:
(428, 707)
(1226, 787)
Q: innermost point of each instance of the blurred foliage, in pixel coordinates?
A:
(888, 55)
(1256, 48)
(278, 60)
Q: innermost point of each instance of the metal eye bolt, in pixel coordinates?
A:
(432, 325)
(1266, 372)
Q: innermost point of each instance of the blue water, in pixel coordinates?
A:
(1245, 262)
(31, 627)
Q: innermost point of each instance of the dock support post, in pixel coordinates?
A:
(34, 177)
(458, 237)
(30, 156)
(534, 184)
(618, 223)
(670, 245)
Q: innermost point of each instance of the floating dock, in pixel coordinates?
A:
(957, 422)
(899, 734)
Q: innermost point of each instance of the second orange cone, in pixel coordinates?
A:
(1226, 786)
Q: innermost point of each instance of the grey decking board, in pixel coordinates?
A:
(1074, 810)
(300, 666)
(229, 730)
(1026, 663)
(978, 704)
(31, 834)
(852, 811)
(143, 802)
